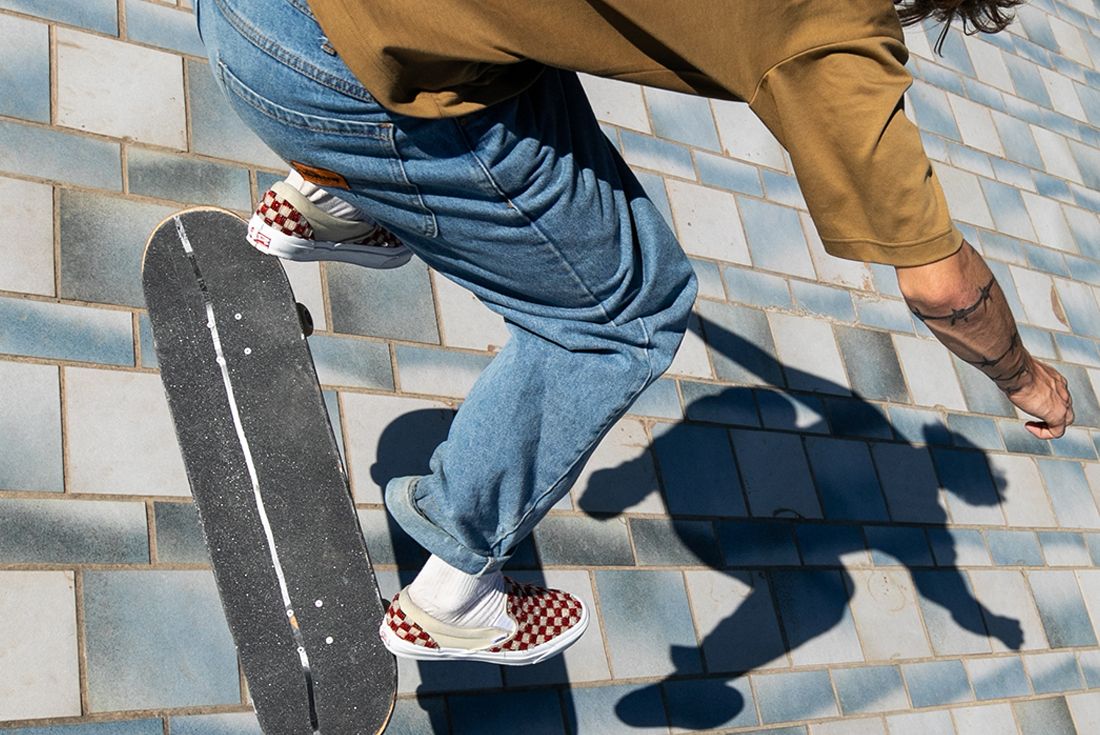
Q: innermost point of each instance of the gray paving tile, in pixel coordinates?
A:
(395, 304)
(96, 15)
(776, 474)
(922, 723)
(1064, 549)
(726, 173)
(868, 689)
(998, 678)
(357, 363)
(678, 543)
(30, 422)
(872, 364)
(984, 719)
(659, 400)
(974, 431)
(740, 344)
(951, 614)
(1054, 672)
(775, 238)
(909, 483)
(786, 411)
(1062, 609)
(64, 332)
(825, 301)
(936, 683)
(386, 542)
(1069, 493)
(216, 130)
(234, 723)
(603, 709)
(857, 418)
(26, 93)
(757, 543)
(72, 532)
(577, 540)
(179, 535)
(698, 470)
(1010, 614)
(1044, 717)
(1015, 548)
(893, 545)
(755, 288)
(813, 608)
(102, 242)
(165, 27)
(1023, 498)
(704, 704)
(156, 640)
(733, 406)
(962, 547)
(736, 621)
(620, 476)
(497, 714)
(804, 695)
(648, 623)
(657, 155)
(919, 426)
(683, 118)
(117, 727)
(420, 715)
(1089, 662)
(165, 176)
(845, 479)
(831, 545)
(971, 496)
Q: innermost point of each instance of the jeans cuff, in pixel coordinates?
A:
(402, 506)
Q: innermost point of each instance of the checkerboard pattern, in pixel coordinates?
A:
(817, 523)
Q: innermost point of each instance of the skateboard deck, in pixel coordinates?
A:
(288, 555)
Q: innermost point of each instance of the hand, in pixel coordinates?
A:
(1046, 396)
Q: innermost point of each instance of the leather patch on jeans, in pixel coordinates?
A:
(320, 176)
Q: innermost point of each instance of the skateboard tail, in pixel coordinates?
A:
(276, 564)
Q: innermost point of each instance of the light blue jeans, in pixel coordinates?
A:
(528, 206)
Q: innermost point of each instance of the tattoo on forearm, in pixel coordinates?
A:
(976, 333)
(959, 314)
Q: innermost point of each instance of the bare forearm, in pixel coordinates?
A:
(960, 301)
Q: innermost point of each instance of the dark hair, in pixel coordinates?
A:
(986, 16)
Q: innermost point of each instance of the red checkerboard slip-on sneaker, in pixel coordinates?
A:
(546, 622)
(290, 226)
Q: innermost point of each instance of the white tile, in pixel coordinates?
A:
(744, 136)
(832, 269)
(30, 424)
(922, 723)
(1070, 41)
(619, 103)
(964, 196)
(984, 719)
(466, 322)
(1056, 154)
(809, 354)
(929, 373)
(708, 222)
(691, 358)
(976, 125)
(1005, 593)
(989, 63)
(118, 89)
(1037, 294)
(1085, 709)
(884, 604)
(625, 445)
(849, 726)
(120, 435)
(916, 40)
(1092, 474)
(305, 281)
(38, 646)
(1063, 95)
(26, 250)
(1023, 499)
(1089, 582)
(365, 419)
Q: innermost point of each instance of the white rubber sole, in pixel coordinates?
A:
(267, 239)
(404, 649)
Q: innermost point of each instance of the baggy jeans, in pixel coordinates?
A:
(527, 205)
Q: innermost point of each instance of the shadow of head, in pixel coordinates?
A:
(406, 444)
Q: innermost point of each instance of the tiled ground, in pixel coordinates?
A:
(819, 523)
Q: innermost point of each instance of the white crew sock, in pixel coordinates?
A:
(327, 202)
(457, 598)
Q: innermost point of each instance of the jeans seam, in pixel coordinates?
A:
(535, 228)
(298, 64)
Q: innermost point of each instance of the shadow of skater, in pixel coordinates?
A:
(737, 645)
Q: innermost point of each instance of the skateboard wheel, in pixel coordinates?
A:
(305, 318)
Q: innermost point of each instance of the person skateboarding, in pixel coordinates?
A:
(461, 128)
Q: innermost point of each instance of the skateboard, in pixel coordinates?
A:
(288, 555)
